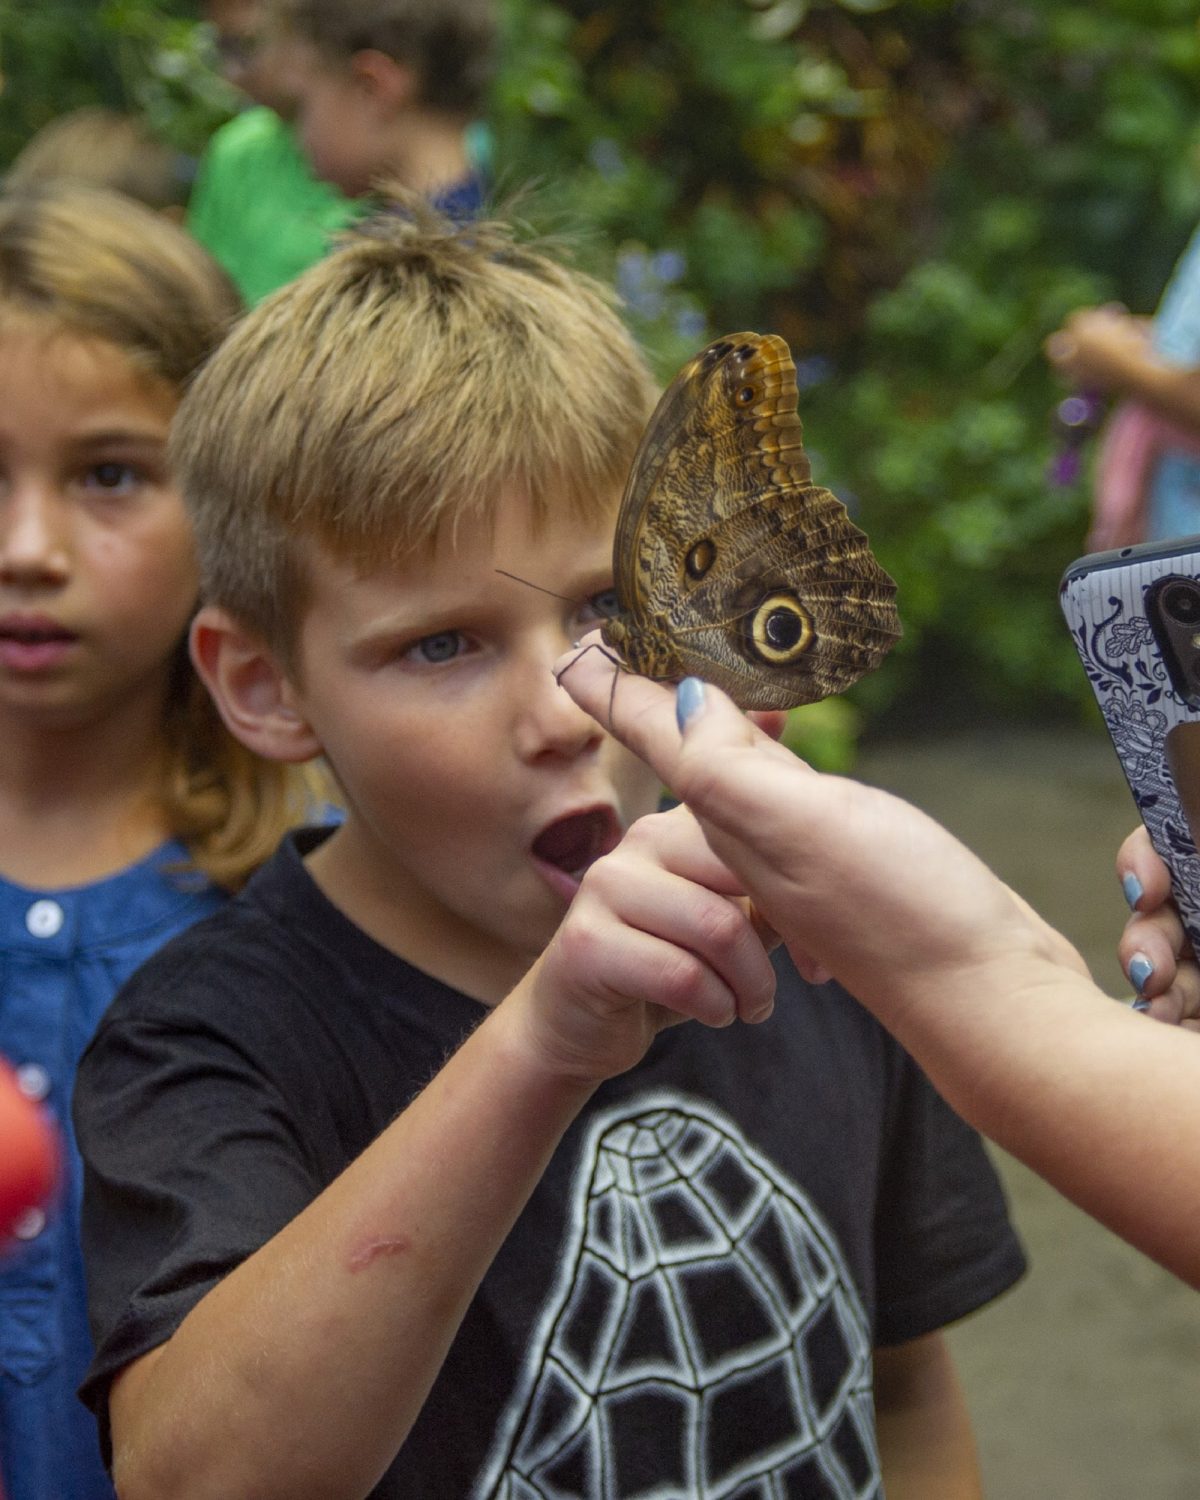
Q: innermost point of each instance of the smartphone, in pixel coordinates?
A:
(1134, 615)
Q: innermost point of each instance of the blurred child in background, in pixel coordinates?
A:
(105, 149)
(1147, 478)
(388, 90)
(256, 204)
(346, 93)
(126, 809)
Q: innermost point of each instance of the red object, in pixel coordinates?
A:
(28, 1153)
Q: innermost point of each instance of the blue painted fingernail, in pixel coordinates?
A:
(689, 700)
(1140, 969)
(1132, 887)
(1140, 1004)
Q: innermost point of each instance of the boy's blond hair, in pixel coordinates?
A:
(91, 264)
(394, 392)
(104, 149)
(450, 44)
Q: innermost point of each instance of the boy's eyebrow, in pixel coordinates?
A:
(424, 615)
(110, 436)
(429, 613)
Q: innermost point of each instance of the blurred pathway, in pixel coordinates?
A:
(1085, 1380)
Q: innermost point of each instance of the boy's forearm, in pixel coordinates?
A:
(926, 1446)
(303, 1371)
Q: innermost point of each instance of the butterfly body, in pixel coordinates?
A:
(730, 564)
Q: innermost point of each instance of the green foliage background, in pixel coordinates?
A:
(913, 193)
(152, 59)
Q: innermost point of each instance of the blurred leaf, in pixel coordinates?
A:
(150, 59)
(823, 734)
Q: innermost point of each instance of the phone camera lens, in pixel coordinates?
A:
(1182, 602)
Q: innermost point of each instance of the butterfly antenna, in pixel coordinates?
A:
(566, 598)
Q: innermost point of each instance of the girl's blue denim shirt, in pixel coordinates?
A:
(63, 955)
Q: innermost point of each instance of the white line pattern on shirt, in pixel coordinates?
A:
(703, 1296)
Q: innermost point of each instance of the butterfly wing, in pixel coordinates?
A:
(798, 610)
(729, 562)
(686, 467)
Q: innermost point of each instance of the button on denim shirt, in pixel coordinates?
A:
(63, 955)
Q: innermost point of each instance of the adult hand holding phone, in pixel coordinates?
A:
(1154, 949)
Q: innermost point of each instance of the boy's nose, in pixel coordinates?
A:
(33, 545)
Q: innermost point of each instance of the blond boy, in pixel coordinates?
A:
(402, 1179)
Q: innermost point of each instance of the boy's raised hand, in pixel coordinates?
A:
(655, 935)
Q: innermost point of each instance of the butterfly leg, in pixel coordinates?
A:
(616, 661)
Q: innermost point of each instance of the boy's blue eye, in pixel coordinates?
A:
(603, 606)
(112, 476)
(438, 648)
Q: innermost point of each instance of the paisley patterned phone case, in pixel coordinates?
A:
(1139, 661)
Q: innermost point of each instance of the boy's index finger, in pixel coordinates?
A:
(664, 882)
(674, 841)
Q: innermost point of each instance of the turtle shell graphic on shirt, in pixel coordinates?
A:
(701, 1297)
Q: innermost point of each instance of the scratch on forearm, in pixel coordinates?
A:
(363, 1255)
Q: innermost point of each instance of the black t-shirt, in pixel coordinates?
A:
(688, 1303)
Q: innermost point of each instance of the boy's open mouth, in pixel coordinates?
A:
(569, 845)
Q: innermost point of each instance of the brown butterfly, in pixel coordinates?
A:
(730, 564)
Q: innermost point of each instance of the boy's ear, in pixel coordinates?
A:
(385, 80)
(250, 688)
